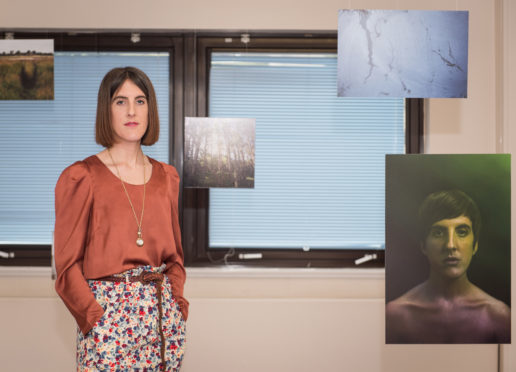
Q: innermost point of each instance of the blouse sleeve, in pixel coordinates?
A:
(73, 202)
(175, 269)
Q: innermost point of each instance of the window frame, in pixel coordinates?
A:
(189, 54)
(92, 41)
(195, 213)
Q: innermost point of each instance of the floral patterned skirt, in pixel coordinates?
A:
(127, 336)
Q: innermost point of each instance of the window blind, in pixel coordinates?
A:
(38, 139)
(320, 159)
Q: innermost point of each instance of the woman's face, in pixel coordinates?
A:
(450, 246)
(129, 113)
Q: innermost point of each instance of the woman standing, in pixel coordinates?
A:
(117, 240)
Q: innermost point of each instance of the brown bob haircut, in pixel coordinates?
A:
(111, 82)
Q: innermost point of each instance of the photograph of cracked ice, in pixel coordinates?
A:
(402, 53)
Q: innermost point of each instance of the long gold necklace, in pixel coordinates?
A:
(139, 240)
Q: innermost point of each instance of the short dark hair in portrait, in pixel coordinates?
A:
(111, 82)
(477, 186)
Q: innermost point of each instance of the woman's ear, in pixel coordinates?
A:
(475, 248)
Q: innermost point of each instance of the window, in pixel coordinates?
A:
(60, 132)
(38, 139)
(185, 71)
(319, 189)
(319, 158)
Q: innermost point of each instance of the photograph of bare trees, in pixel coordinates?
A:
(27, 69)
(219, 152)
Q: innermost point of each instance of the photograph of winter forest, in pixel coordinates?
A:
(219, 152)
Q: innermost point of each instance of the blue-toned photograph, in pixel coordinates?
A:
(403, 53)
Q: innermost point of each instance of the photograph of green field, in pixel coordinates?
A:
(219, 152)
(26, 70)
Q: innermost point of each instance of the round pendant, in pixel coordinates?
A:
(139, 242)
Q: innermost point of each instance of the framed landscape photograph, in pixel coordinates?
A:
(219, 152)
(27, 69)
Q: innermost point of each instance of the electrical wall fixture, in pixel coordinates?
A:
(135, 37)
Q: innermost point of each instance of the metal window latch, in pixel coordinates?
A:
(250, 256)
(245, 38)
(6, 254)
(366, 258)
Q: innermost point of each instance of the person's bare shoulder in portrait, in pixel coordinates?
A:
(402, 316)
(477, 317)
(493, 317)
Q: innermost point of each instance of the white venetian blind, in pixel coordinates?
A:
(38, 139)
(320, 159)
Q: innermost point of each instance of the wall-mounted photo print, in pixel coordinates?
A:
(402, 53)
(27, 69)
(219, 152)
(448, 249)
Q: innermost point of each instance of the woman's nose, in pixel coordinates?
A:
(131, 108)
(451, 240)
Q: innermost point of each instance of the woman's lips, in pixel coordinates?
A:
(131, 124)
(451, 261)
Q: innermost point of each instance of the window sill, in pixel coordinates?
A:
(231, 282)
(25, 271)
(234, 271)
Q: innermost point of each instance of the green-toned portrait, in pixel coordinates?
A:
(448, 248)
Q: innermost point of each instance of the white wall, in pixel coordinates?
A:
(279, 320)
(507, 116)
(244, 320)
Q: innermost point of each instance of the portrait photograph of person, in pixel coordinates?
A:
(447, 256)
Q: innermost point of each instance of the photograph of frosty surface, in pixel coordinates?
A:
(219, 152)
(402, 53)
(447, 258)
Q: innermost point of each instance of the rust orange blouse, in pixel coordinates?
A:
(95, 232)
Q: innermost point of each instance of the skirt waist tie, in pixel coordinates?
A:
(147, 277)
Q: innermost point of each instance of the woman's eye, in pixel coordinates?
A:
(437, 233)
(140, 102)
(119, 102)
(462, 232)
